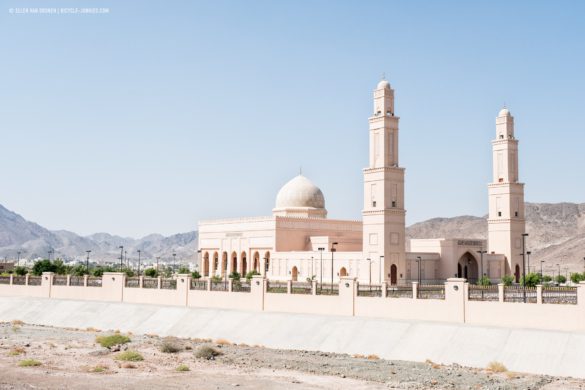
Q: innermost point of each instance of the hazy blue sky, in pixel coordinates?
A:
(161, 113)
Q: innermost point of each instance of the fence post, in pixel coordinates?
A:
(257, 289)
(455, 298)
(347, 294)
(501, 292)
(26, 279)
(539, 294)
(208, 286)
(414, 290)
(159, 284)
(140, 281)
(313, 287)
(68, 283)
(85, 277)
(46, 283)
(581, 295)
(11, 279)
(289, 286)
(230, 285)
(384, 288)
(183, 284)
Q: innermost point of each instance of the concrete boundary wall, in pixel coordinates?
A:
(522, 350)
(448, 303)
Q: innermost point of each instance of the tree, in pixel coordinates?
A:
(44, 265)
(235, 276)
(547, 278)
(532, 279)
(183, 270)
(196, 275)
(150, 272)
(507, 280)
(560, 279)
(20, 270)
(577, 277)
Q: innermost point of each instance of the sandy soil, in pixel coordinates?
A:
(69, 358)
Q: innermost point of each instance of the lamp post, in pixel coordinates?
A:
(370, 264)
(312, 267)
(541, 275)
(419, 261)
(126, 259)
(87, 261)
(139, 261)
(559, 277)
(157, 259)
(524, 235)
(380, 274)
(481, 253)
(584, 266)
(528, 253)
(333, 250)
(321, 273)
(121, 247)
(175, 261)
(199, 259)
(51, 251)
(18, 261)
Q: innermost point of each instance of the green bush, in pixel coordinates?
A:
(251, 274)
(577, 277)
(547, 278)
(111, 340)
(129, 356)
(560, 279)
(150, 272)
(484, 281)
(183, 368)
(196, 275)
(29, 363)
(206, 352)
(216, 279)
(21, 271)
(183, 270)
(532, 279)
(235, 276)
(507, 280)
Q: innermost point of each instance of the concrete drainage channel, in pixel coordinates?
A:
(521, 350)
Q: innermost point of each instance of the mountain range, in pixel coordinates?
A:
(556, 236)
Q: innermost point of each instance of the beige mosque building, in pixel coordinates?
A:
(299, 242)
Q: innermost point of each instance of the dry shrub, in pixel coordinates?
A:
(98, 368)
(243, 345)
(170, 345)
(129, 356)
(17, 323)
(91, 329)
(29, 363)
(496, 367)
(373, 357)
(151, 335)
(183, 368)
(207, 352)
(16, 351)
(223, 342)
(128, 365)
(359, 356)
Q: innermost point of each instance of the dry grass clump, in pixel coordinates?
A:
(16, 351)
(223, 342)
(207, 352)
(359, 356)
(98, 369)
(129, 356)
(183, 368)
(29, 363)
(111, 340)
(92, 329)
(373, 357)
(128, 365)
(17, 323)
(496, 367)
(170, 345)
(433, 364)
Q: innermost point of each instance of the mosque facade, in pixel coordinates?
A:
(299, 242)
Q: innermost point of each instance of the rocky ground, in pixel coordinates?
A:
(71, 358)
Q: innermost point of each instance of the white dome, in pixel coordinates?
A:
(504, 112)
(300, 192)
(383, 84)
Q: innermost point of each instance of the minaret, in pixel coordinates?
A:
(383, 213)
(506, 196)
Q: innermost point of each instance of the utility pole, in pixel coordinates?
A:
(139, 261)
(175, 262)
(87, 261)
(333, 250)
(419, 261)
(157, 259)
(121, 247)
(321, 273)
(381, 267)
(524, 235)
(18, 261)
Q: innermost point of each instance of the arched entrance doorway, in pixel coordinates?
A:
(206, 264)
(244, 264)
(234, 262)
(467, 268)
(342, 272)
(517, 274)
(224, 265)
(393, 274)
(215, 263)
(266, 262)
(256, 263)
(295, 274)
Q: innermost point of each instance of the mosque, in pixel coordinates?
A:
(298, 242)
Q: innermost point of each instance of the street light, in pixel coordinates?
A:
(139, 261)
(528, 253)
(312, 267)
(175, 262)
(524, 235)
(332, 252)
(321, 273)
(18, 261)
(157, 259)
(121, 257)
(559, 277)
(419, 261)
(541, 275)
(380, 275)
(370, 263)
(87, 261)
(51, 251)
(481, 253)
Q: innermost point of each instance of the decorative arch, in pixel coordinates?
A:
(244, 264)
(517, 273)
(266, 261)
(215, 265)
(342, 272)
(467, 267)
(234, 262)
(294, 273)
(206, 264)
(224, 264)
(393, 274)
(256, 264)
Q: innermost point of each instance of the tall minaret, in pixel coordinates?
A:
(383, 213)
(506, 196)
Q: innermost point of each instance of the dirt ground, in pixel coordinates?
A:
(70, 358)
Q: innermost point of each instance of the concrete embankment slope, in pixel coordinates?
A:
(522, 350)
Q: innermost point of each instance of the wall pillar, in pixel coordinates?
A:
(11, 279)
(257, 289)
(183, 285)
(501, 292)
(68, 283)
(289, 286)
(455, 298)
(46, 283)
(539, 294)
(26, 279)
(113, 286)
(85, 277)
(347, 294)
(384, 288)
(140, 281)
(414, 290)
(314, 287)
(159, 284)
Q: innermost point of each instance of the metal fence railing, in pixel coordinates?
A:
(150, 283)
(168, 284)
(220, 285)
(59, 280)
(35, 280)
(276, 287)
(518, 293)
(483, 293)
(19, 280)
(239, 286)
(399, 291)
(76, 280)
(302, 288)
(327, 289)
(434, 291)
(372, 290)
(132, 282)
(559, 295)
(94, 281)
(197, 284)
(4, 279)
